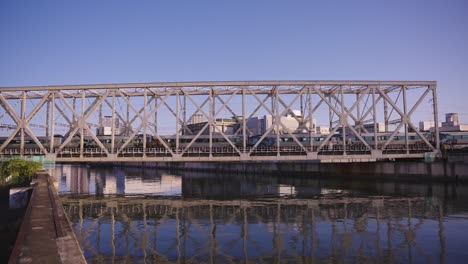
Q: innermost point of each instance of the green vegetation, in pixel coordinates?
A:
(21, 172)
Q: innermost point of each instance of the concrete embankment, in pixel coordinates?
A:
(45, 235)
(454, 168)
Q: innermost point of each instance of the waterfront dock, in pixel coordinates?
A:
(45, 235)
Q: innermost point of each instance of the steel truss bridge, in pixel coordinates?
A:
(31, 116)
(169, 230)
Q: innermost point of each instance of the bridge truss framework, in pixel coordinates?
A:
(350, 105)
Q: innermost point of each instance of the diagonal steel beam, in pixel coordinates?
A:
(7, 141)
(116, 112)
(253, 113)
(144, 120)
(194, 138)
(343, 116)
(405, 118)
(140, 111)
(81, 120)
(182, 123)
(30, 116)
(70, 108)
(279, 121)
(10, 111)
(97, 140)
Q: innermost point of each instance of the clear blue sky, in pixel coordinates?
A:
(79, 42)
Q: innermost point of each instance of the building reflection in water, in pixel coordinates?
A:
(212, 218)
(110, 181)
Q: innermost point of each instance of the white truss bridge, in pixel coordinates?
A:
(33, 117)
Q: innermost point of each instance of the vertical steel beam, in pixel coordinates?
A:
(210, 117)
(244, 122)
(359, 118)
(145, 121)
(74, 107)
(277, 121)
(343, 116)
(184, 115)
(127, 122)
(177, 120)
(156, 114)
(100, 116)
(374, 113)
(405, 119)
(436, 116)
(385, 115)
(52, 123)
(330, 113)
(82, 121)
(302, 108)
(113, 123)
(47, 125)
(311, 120)
(22, 121)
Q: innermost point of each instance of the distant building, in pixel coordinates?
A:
(451, 119)
(198, 118)
(324, 130)
(259, 125)
(105, 126)
(370, 127)
(451, 124)
(226, 125)
(425, 126)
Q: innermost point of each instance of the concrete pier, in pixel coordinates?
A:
(45, 235)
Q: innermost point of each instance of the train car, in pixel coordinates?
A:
(29, 142)
(398, 139)
(287, 140)
(454, 138)
(203, 141)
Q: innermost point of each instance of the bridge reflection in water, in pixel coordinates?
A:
(208, 218)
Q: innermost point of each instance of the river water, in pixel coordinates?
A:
(135, 215)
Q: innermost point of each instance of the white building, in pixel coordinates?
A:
(226, 125)
(324, 130)
(425, 126)
(259, 125)
(370, 127)
(105, 127)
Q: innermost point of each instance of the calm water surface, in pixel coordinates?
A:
(129, 215)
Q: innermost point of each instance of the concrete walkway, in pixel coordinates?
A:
(45, 235)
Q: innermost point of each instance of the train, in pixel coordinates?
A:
(203, 141)
(336, 139)
(454, 138)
